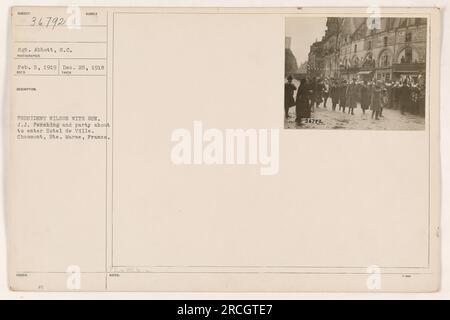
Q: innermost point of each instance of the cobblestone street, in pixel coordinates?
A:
(391, 120)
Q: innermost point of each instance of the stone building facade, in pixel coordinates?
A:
(290, 62)
(385, 49)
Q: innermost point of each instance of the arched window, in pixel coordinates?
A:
(368, 61)
(385, 59)
(408, 55)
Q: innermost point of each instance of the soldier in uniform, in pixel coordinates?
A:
(334, 93)
(325, 92)
(351, 96)
(375, 104)
(365, 97)
(342, 97)
(318, 92)
(302, 102)
(403, 92)
(289, 101)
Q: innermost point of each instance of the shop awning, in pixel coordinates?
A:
(407, 71)
(365, 72)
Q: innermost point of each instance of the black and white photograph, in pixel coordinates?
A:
(363, 73)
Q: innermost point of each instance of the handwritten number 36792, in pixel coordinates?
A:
(48, 22)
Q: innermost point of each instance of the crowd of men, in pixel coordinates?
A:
(406, 95)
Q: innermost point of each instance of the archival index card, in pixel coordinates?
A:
(213, 149)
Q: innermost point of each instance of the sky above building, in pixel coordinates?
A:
(304, 32)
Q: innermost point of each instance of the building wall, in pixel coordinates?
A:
(290, 62)
(396, 39)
